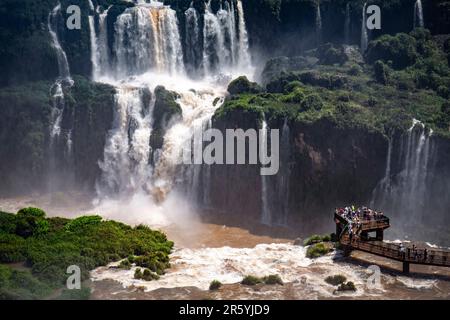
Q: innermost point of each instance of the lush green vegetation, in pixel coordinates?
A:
(336, 280)
(405, 76)
(316, 239)
(36, 251)
(317, 250)
(349, 286)
(215, 285)
(269, 280)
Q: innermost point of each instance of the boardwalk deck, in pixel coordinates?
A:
(406, 254)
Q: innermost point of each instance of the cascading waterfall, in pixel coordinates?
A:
(318, 23)
(213, 42)
(125, 165)
(63, 64)
(147, 52)
(405, 192)
(100, 57)
(147, 38)
(418, 14)
(347, 23)
(192, 41)
(266, 216)
(364, 34)
(243, 51)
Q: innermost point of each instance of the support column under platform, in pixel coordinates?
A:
(405, 267)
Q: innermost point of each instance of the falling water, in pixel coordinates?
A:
(405, 192)
(243, 49)
(347, 23)
(147, 38)
(100, 57)
(125, 164)
(418, 14)
(266, 216)
(364, 35)
(318, 23)
(192, 41)
(63, 65)
(213, 45)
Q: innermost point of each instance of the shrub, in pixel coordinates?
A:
(82, 223)
(125, 264)
(243, 85)
(138, 273)
(251, 280)
(215, 285)
(291, 86)
(349, 286)
(31, 222)
(355, 70)
(33, 212)
(311, 102)
(382, 72)
(296, 96)
(316, 239)
(317, 250)
(335, 280)
(272, 279)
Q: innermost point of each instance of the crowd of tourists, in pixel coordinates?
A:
(357, 215)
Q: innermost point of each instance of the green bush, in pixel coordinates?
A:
(335, 280)
(138, 273)
(251, 280)
(125, 264)
(296, 96)
(243, 85)
(215, 285)
(272, 279)
(349, 286)
(355, 70)
(83, 222)
(382, 72)
(316, 239)
(317, 250)
(311, 102)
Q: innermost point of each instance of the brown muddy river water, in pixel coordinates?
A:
(205, 252)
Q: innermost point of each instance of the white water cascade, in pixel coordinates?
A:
(147, 53)
(347, 24)
(418, 14)
(266, 216)
(63, 64)
(318, 23)
(192, 40)
(405, 192)
(147, 39)
(364, 34)
(243, 52)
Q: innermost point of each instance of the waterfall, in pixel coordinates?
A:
(318, 24)
(63, 64)
(266, 216)
(99, 45)
(418, 14)
(147, 52)
(405, 192)
(125, 166)
(192, 41)
(347, 23)
(213, 42)
(147, 38)
(94, 48)
(91, 5)
(364, 35)
(243, 49)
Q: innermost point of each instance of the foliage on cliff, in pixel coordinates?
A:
(406, 76)
(45, 247)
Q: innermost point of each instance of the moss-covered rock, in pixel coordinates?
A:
(243, 85)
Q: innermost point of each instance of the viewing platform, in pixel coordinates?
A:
(367, 232)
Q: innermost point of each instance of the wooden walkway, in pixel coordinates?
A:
(407, 255)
